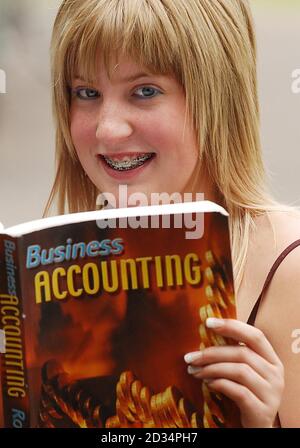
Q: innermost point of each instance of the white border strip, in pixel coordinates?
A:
(149, 210)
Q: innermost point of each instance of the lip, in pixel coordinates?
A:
(124, 175)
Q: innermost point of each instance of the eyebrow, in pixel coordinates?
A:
(126, 78)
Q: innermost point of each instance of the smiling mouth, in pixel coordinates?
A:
(128, 163)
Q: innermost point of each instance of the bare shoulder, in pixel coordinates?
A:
(279, 314)
(273, 233)
(283, 294)
(286, 226)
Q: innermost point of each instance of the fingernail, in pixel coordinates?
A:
(193, 369)
(212, 322)
(191, 357)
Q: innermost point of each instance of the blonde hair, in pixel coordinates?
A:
(209, 46)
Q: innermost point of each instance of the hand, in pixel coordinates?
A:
(250, 374)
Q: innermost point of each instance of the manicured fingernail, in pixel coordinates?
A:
(191, 357)
(193, 369)
(212, 322)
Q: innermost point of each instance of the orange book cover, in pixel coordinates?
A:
(99, 312)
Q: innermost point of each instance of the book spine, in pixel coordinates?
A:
(14, 389)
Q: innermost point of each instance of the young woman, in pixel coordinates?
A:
(161, 95)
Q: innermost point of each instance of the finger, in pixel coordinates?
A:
(241, 332)
(235, 354)
(248, 403)
(242, 374)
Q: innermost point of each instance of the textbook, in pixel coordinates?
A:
(98, 309)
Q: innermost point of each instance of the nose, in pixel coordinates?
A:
(113, 124)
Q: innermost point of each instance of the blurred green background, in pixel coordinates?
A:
(26, 128)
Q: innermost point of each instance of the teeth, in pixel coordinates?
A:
(128, 163)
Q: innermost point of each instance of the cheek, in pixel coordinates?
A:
(161, 132)
(171, 138)
(82, 130)
(169, 127)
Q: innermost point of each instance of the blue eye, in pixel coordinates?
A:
(86, 93)
(147, 90)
